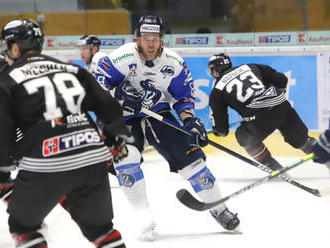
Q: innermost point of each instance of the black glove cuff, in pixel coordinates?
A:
(187, 120)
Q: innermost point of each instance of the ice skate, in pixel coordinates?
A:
(148, 232)
(145, 224)
(226, 219)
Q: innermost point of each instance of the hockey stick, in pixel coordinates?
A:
(260, 166)
(316, 192)
(187, 199)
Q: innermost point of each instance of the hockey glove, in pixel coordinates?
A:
(196, 126)
(131, 97)
(321, 148)
(117, 146)
(219, 133)
(152, 95)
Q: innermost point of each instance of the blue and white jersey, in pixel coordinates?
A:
(168, 73)
(93, 65)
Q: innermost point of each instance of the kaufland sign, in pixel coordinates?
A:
(313, 38)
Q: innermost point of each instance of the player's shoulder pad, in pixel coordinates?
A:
(97, 56)
(125, 53)
(172, 57)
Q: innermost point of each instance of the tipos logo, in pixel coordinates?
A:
(72, 141)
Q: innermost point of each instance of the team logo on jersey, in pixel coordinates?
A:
(132, 69)
(268, 93)
(105, 61)
(167, 70)
(71, 141)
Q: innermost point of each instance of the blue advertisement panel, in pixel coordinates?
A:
(192, 40)
(275, 39)
(301, 89)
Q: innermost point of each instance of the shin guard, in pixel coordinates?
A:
(263, 156)
(203, 182)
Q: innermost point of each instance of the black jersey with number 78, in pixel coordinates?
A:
(48, 100)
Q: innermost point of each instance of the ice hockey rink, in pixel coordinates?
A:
(276, 214)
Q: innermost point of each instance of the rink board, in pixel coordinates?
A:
(275, 143)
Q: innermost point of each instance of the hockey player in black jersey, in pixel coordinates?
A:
(62, 152)
(6, 183)
(257, 93)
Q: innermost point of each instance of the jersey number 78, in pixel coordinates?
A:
(72, 95)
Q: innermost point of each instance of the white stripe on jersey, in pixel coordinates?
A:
(268, 103)
(66, 163)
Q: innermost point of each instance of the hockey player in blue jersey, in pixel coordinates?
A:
(145, 74)
(89, 48)
(321, 148)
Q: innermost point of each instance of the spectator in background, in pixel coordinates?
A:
(242, 15)
(203, 30)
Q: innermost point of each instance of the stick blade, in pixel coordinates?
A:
(187, 199)
(324, 192)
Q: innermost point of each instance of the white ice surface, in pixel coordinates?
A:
(275, 214)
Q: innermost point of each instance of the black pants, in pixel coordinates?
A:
(282, 117)
(87, 191)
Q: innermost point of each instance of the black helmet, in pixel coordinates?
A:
(90, 40)
(219, 62)
(25, 33)
(150, 24)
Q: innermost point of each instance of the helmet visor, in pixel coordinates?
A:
(210, 69)
(81, 43)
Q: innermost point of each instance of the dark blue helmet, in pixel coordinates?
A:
(91, 40)
(150, 24)
(25, 33)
